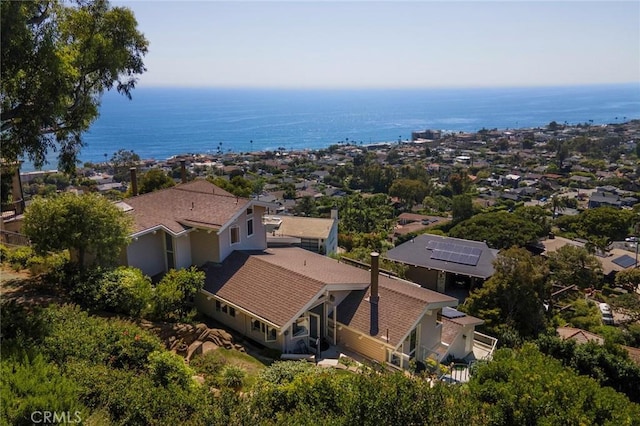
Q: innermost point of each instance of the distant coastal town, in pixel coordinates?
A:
(510, 163)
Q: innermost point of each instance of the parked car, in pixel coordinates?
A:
(607, 314)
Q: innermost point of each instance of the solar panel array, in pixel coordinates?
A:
(624, 261)
(456, 253)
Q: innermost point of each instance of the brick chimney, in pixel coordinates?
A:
(183, 171)
(134, 181)
(375, 268)
(373, 295)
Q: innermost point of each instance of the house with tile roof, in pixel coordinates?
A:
(288, 298)
(190, 224)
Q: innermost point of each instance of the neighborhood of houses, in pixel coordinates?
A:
(274, 277)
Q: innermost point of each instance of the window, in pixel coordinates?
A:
(301, 327)
(255, 325)
(235, 235)
(224, 309)
(168, 242)
(250, 227)
(271, 335)
(232, 311)
(218, 306)
(249, 211)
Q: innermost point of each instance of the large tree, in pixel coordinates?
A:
(571, 265)
(512, 299)
(92, 228)
(153, 180)
(58, 58)
(499, 229)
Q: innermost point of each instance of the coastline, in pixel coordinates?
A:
(161, 122)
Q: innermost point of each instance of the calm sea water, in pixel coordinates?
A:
(161, 122)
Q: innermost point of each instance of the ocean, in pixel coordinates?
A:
(161, 122)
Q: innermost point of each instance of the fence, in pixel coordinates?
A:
(13, 238)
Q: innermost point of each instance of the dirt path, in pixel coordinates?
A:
(22, 287)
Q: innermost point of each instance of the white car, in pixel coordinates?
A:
(607, 315)
(605, 308)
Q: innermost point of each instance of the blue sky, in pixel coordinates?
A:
(364, 44)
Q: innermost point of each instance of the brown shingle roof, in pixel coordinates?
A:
(249, 281)
(276, 284)
(196, 203)
(400, 306)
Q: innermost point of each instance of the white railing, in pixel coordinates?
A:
(487, 343)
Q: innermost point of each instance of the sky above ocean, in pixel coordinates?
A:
(419, 43)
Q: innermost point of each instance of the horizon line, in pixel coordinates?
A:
(400, 88)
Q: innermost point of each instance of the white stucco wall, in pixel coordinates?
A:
(147, 253)
(430, 333)
(257, 241)
(204, 247)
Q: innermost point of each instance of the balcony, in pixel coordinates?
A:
(483, 346)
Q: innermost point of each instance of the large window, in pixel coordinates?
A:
(235, 235)
(249, 227)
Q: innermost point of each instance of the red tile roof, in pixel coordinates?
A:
(196, 203)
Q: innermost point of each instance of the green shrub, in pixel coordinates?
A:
(173, 294)
(132, 398)
(4, 252)
(73, 334)
(30, 384)
(19, 257)
(232, 377)
(125, 290)
(44, 264)
(210, 364)
(168, 368)
(282, 372)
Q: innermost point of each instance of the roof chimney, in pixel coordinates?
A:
(334, 213)
(373, 296)
(375, 268)
(134, 181)
(183, 171)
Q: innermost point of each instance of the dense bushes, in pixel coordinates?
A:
(122, 290)
(113, 372)
(608, 364)
(99, 367)
(31, 384)
(127, 291)
(24, 257)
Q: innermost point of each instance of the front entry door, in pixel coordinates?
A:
(314, 330)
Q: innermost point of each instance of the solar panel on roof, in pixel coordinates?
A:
(452, 252)
(448, 312)
(624, 261)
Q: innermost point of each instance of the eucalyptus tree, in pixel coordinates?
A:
(58, 58)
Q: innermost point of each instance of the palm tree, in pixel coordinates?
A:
(558, 204)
